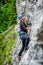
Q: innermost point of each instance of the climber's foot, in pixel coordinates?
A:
(26, 50)
(19, 58)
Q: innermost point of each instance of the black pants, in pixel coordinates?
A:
(25, 42)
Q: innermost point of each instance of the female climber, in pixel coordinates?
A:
(23, 34)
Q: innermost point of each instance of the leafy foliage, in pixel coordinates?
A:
(8, 14)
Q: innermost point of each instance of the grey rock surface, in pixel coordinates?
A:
(34, 55)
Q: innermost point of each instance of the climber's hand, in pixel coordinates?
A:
(28, 28)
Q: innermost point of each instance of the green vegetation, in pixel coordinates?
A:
(8, 18)
(8, 14)
(7, 41)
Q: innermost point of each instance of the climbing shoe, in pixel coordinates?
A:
(26, 50)
(19, 58)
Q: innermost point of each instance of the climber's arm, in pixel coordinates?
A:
(24, 27)
(27, 28)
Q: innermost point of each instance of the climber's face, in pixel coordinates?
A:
(23, 18)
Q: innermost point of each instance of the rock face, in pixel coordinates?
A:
(34, 55)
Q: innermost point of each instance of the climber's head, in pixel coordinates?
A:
(21, 17)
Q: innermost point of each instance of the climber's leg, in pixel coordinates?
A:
(26, 43)
(26, 38)
(22, 49)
